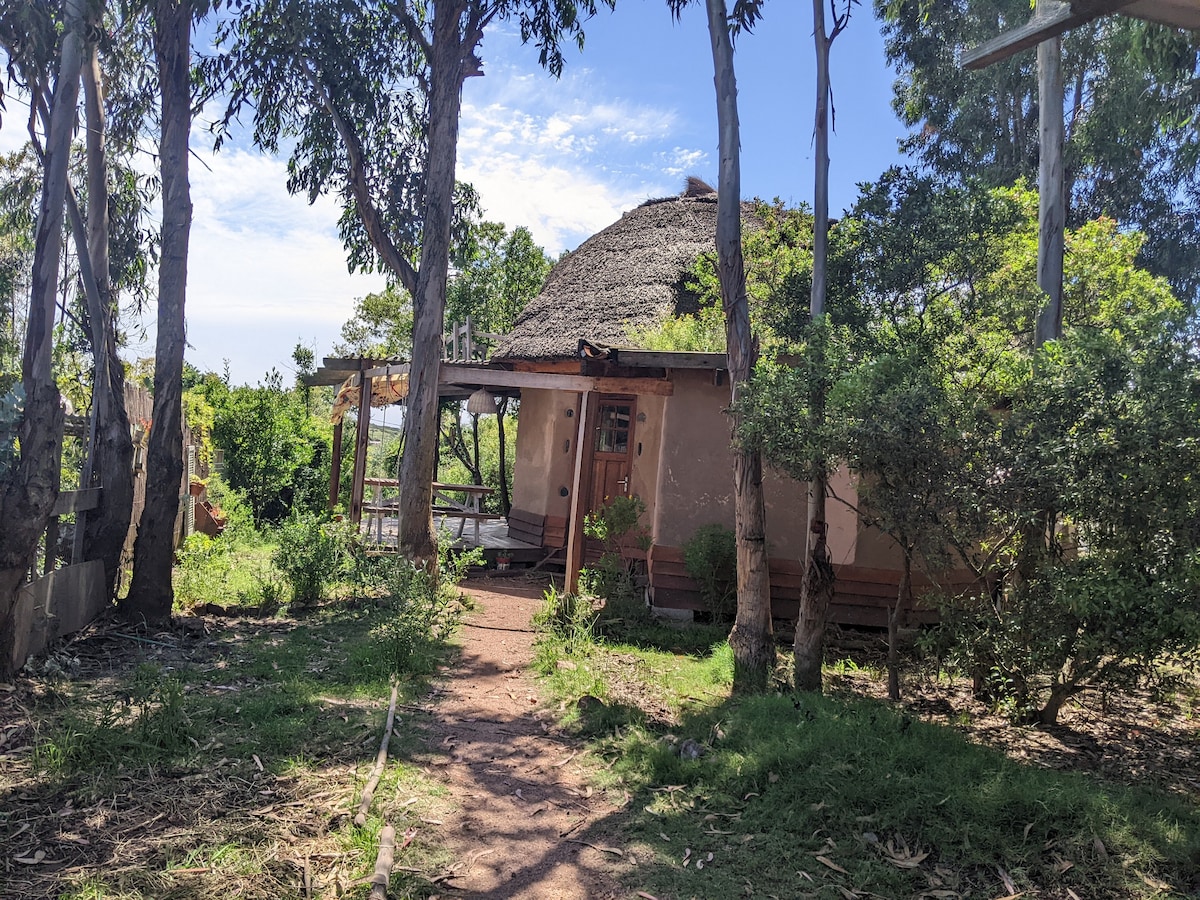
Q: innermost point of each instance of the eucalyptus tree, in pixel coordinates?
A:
(371, 94)
(1132, 92)
(817, 588)
(751, 638)
(111, 244)
(27, 496)
(151, 594)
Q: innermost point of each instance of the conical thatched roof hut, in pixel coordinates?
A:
(628, 276)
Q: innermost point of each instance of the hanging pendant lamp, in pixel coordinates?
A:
(481, 403)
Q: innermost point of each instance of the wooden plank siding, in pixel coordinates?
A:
(861, 596)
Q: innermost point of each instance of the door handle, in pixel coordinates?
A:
(624, 483)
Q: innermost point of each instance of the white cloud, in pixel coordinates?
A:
(266, 269)
(542, 154)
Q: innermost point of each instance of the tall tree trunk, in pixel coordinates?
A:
(417, 465)
(817, 588)
(111, 459)
(150, 594)
(751, 638)
(28, 495)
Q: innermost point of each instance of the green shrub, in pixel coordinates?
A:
(309, 555)
(710, 557)
(565, 617)
(618, 576)
(419, 609)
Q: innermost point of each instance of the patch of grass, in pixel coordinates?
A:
(242, 753)
(148, 722)
(227, 572)
(810, 796)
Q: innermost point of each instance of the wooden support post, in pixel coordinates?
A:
(335, 466)
(579, 484)
(1052, 217)
(361, 439)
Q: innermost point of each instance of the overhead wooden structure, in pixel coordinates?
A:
(1053, 18)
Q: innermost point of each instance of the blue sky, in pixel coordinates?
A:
(633, 114)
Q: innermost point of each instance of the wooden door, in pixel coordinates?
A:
(611, 450)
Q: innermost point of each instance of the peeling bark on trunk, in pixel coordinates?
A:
(111, 460)
(28, 496)
(150, 594)
(751, 638)
(417, 466)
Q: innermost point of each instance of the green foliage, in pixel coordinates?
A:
(1100, 448)
(618, 576)
(1131, 151)
(710, 557)
(500, 272)
(462, 461)
(702, 331)
(380, 326)
(970, 452)
(276, 454)
(147, 725)
(12, 412)
(309, 555)
(200, 417)
(568, 619)
(418, 611)
(226, 571)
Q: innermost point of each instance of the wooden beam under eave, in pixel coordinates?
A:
(662, 359)
(388, 370)
(1051, 20)
(485, 377)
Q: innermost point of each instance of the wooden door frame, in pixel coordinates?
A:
(590, 451)
(588, 411)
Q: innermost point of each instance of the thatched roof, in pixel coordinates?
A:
(627, 276)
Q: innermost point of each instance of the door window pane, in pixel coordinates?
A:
(612, 429)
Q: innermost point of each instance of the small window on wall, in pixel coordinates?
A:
(612, 428)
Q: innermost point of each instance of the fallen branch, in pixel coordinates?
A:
(383, 863)
(368, 793)
(612, 850)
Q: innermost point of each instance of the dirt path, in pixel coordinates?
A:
(521, 801)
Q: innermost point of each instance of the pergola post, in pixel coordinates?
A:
(1052, 216)
(335, 466)
(361, 439)
(575, 536)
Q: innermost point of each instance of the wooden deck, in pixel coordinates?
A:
(493, 538)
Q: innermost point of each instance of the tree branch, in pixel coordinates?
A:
(357, 173)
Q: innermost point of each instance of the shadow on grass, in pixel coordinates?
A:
(191, 764)
(834, 797)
